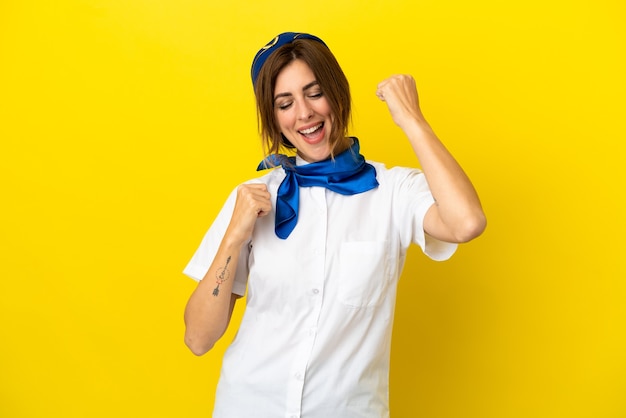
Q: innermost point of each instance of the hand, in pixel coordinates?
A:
(400, 94)
(253, 201)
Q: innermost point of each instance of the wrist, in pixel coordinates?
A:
(233, 242)
(416, 126)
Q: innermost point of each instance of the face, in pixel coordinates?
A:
(302, 112)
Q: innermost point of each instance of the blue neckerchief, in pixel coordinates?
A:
(346, 174)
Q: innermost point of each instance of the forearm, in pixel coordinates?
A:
(457, 204)
(457, 215)
(209, 308)
(208, 311)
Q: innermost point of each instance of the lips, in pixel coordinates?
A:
(311, 130)
(313, 133)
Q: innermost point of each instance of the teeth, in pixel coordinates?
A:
(310, 130)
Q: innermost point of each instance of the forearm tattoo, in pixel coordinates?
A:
(221, 276)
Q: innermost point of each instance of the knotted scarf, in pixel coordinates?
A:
(346, 174)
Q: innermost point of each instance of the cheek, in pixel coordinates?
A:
(282, 119)
(324, 109)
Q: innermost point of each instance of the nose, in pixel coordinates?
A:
(305, 111)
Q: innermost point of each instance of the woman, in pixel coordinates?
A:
(319, 243)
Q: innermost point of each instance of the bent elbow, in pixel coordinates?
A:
(473, 227)
(198, 348)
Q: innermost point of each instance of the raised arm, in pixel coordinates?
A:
(210, 306)
(457, 215)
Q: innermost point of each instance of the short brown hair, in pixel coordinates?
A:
(328, 74)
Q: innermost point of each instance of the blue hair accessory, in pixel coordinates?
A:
(273, 45)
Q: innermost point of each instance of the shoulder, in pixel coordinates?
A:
(391, 175)
(272, 178)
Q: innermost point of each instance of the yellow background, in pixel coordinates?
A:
(124, 125)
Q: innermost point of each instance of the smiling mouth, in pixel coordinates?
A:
(312, 130)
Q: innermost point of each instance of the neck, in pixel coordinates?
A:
(339, 147)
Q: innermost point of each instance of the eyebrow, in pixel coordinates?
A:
(305, 88)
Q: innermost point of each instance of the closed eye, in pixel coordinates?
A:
(312, 91)
(284, 106)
